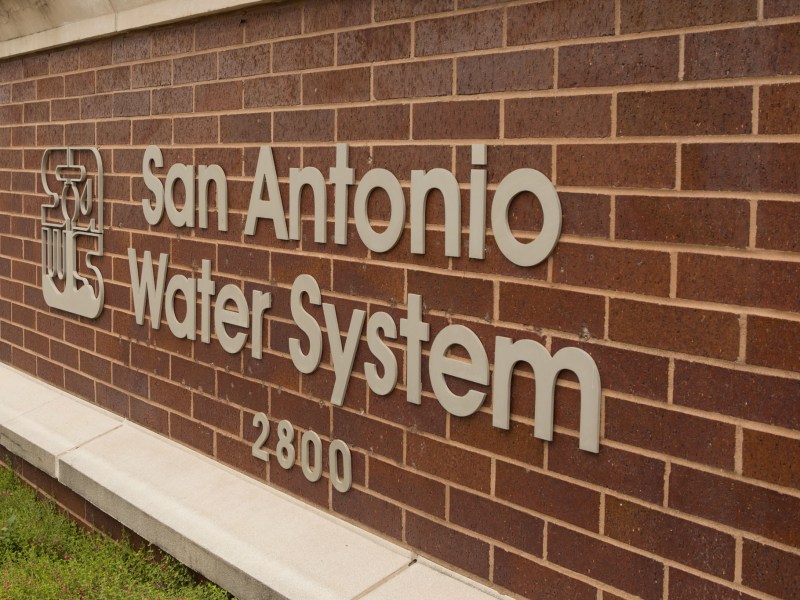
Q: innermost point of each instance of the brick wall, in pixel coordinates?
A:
(672, 133)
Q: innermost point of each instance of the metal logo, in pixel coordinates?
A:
(74, 231)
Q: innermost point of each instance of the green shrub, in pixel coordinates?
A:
(45, 555)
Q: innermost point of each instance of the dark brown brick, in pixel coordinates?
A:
(741, 167)
(237, 454)
(49, 87)
(386, 10)
(453, 293)
(778, 223)
(641, 576)
(172, 100)
(371, 511)
(497, 521)
(333, 87)
(171, 396)
(151, 417)
(448, 544)
(448, 462)
(694, 331)
(718, 111)
(638, 271)
(113, 79)
(651, 60)
(281, 90)
(333, 14)
(617, 165)
(67, 59)
(502, 160)
(770, 570)
(36, 112)
(95, 54)
(129, 104)
(777, 112)
(151, 131)
(669, 432)
(560, 20)
(781, 8)
(374, 44)
(517, 443)
(413, 79)
(190, 432)
(249, 127)
(218, 96)
(684, 586)
(385, 122)
(472, 31)
(244, 62)
(370, 434)
(304, 53)
(116, 132)
(534, 580)
(199, 67)
(619, 470)
(650, 15)
(151, 74)
(509, 71)
(567, 116)
(407, 487)
(222, 30)
(735, 503)
(761, 283)
(761, 398)
(66, 110)
(173, 39)
(301, 126)
(195, 130)
(130, 47)
(743, 52)
(362, 279)
(548, 495)
(552, 308)
(672, 537)
(773, 343)
(675, 220)
(448, 120)
(771, 458)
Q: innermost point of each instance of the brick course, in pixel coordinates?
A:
(672, 133)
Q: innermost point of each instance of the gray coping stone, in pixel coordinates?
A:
(253, 540)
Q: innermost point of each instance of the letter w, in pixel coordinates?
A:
(145, 288)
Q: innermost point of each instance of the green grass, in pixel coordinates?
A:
(44, 555)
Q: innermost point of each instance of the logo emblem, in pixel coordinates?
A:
(72, 229)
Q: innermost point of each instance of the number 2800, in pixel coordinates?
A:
(310, 443)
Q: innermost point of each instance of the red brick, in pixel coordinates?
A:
(222, 30)
(498, 521)
(67, 59)
(333, 87)
(638, 271)
(244, 62)
(35, 65)
(567, 116)
(773, 343)
(413, 79)
(195, 130)
(374, 44)
(771, 458)
(386, 10)
(650, 15)
(776, 114)
(770, 570)
(271, 21)
(49, 87)
(407, 487)
(199, 67)
(362, 279)
(735, 503)
(385, 122)
(448, 544)
(652, 60)
(761, 283)
(169, 395)
(173, 39)
(193, 374)
(641, 576)
(689, 330)
(734, 392)
(781, 8)
(113, 79)
(619, 470)
(672, 537)
(304, 53)
(364, 432)
(237, 454)
(300, 126)
(117, 132)
(534, 580)
(24, 91)
(741, 167)
(249, 127)
(65, 110)
(461, 120)
(472, 31)
(448, 462)
(669, 432)
(517, 443)
(282, 90)
(743, 52)
(719, 111)
(334, 14)
(683, 586)
(190, 432)
(371, 511)
(509, 71)
(36, 112)
(676, 220)
(617, 165)
(152, 417)
(552, 308)
(453, 293)
(151, 131)
(130, 47)
(129, 104)
(548, 495)
(561, 20)
(218, 96)
(172, 100)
